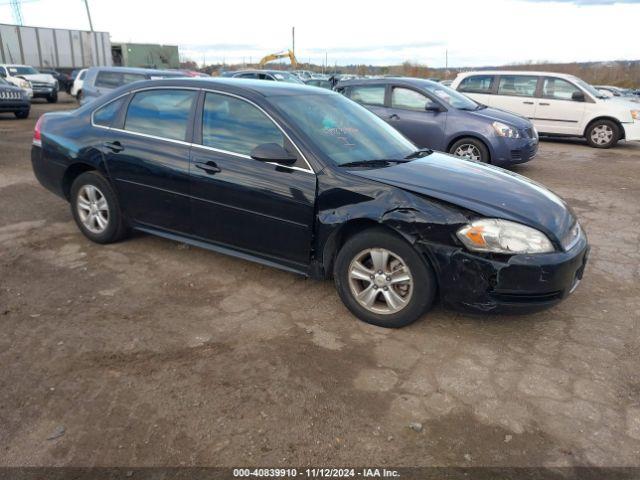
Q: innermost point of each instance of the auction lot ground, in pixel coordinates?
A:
(147, 352)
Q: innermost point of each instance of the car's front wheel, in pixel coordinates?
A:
(95, 208)
(21, 114)
(53, 98)
(603, 134)
(470, 148)
(383, 280)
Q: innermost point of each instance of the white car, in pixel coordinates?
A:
(44, 85)
(556, 103)
(76, 88)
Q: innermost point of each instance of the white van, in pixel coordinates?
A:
(556, 103)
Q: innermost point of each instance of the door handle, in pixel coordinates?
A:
(393, 116)
(115, 147)
(209, 167)
(544, 104)
(528, 103)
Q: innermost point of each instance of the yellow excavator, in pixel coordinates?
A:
(275, 56)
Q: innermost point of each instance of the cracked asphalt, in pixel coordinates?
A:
(151, 353)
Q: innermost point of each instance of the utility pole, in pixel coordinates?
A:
(86, 4)
(17, 11)
(293, 40)
(446, 59)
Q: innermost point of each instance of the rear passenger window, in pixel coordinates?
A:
(517, 85)
(558, 89)
(236, 126)
(107, 114)
(477, 84)
(116, 79)
(369, 95)
(161, 113)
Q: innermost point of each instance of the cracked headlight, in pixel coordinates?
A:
(504, 130)
(502, 236)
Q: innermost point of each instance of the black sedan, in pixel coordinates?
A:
(13, 100)
(306, 180)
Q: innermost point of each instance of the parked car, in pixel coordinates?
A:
(558, 104)
(101, 80)
(319, 82)
(274, 75)
(315, 184)
(42, 85)
(63, 79)
(13, 99)
(617, 92)
(78, 83)
(434, 116)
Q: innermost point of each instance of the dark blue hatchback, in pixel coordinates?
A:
(434, 116)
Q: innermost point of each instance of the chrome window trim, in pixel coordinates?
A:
(205, 147)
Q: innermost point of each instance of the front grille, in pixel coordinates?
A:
(10, 95)
(40, 84)
(516, 154)
(527, 298)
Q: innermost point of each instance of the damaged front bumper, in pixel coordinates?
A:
(505, 284)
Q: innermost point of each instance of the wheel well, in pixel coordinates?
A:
(611, 119)
(460, 137)
(73, 172)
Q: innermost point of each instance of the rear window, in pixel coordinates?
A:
(117, 79)
(161, 113)
(368, 95)
(518, 85)
(477, 84)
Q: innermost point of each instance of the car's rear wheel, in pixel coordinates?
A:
(95, 208)
(21, 114)
(603, 134)
(471, 149)
(383, 280)
(53, 98)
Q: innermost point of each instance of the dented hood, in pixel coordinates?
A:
(485, 189)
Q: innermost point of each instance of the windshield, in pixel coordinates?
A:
(342, 130)
(287, 77)
(589, 88)
(450, 96)
(23, 71)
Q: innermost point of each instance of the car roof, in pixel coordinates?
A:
(237, 85)
(411, 81)
(132, 70)
(516, 72)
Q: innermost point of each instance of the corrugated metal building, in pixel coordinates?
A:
(54, 48)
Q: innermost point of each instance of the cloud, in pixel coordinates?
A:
(586, 2)
(374, 48)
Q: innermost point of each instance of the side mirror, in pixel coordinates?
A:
(577, 97)
(3, 75)
(432, 107)
(272, 152)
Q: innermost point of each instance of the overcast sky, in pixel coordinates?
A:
(475, 32)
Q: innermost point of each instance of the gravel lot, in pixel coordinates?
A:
(148, 352)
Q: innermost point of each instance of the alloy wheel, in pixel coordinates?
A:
(380, 281)
(601, 134)
(93, 209)
(469, 151)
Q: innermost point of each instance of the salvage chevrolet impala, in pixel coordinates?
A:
(306, 180)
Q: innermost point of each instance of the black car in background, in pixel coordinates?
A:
(309, 181)
(13, 100)
(64, 81)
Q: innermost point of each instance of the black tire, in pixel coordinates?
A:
(480, 147)
(116, 228)
(53, 98)
(424, 282)
(79, 96)
(22, 114)
(601, 139)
